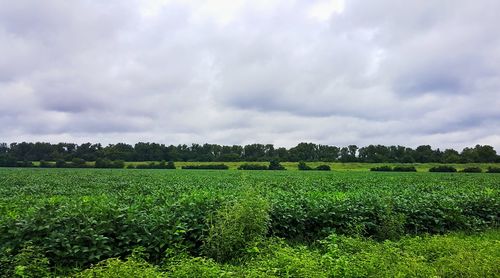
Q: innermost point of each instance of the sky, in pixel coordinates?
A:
(334, 72)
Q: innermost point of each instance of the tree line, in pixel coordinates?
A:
(41, 151)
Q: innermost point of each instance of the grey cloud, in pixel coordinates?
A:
(386, 71)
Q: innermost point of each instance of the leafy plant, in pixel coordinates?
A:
(236, 227)
(443, 168)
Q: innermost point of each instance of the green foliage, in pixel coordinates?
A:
(303, 166)
(60, 163)
(437, 256)
(493, 170)
(404, 169)
(237, 227)
(391, 224)
(45, 164)
(323, 167)
(29, 261)
(275, 165)
(80, 217)
(188, 267)
(206, 167)
(381, 169)
(152, 165)
(443, 168)
(248, 166)
(170, 165)
(472, 170)
(130, 268)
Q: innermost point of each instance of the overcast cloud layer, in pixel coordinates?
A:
(238, 72)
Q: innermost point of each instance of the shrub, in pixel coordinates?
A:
(303, 166)
(493, 170)
(24, 163)
(130, 166)
(247, 166)
(117, 268)
(60, 163)
(78, 162)
(45, 164)
(472, 170)
(275, 165)
(237, 227)
(170, 165)
(404, 169)
(29, 261)
(206, 167)
(384, 168)
(118, 164)
(443, 168)
(323, 168)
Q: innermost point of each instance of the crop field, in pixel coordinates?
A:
(202, 223)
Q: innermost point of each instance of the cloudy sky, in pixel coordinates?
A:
(236, 72)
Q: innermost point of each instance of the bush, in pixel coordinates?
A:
(404, 169)
(275, 165)
(45, 164)
(78, 163)
(206, 167)
(303, 166)
(323, 168)
(60, 163)
(247, 166)
(170, 165)
(24, 163)
(117, 268)
(237, 227)
(472, 170)
(493, 170)
(443, 168)
(384, 168)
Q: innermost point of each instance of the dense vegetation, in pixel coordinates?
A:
(185, 223)
(443, 168)
(386, 168)
(21, 154)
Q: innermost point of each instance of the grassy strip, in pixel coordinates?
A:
(452, 255)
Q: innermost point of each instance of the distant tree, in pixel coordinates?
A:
(348, 154)
(451, 156)
(304, 152)
(6, 160)
(485, 153)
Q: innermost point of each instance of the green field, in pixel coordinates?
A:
(181, 223)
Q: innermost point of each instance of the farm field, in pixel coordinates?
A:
(181, 223)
